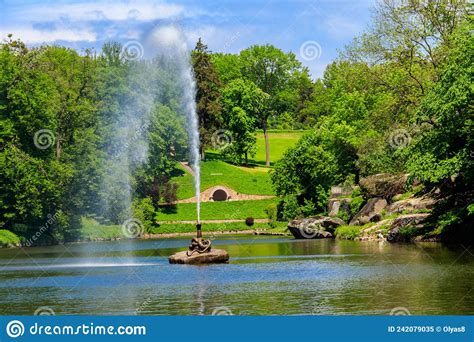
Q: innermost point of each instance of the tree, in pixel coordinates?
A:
(404, 39)
(207, 98)
(306, 172)
(445, 147)
(228, 66)
(243, 102)
(271, 70)
(167, 141)
(243, 142)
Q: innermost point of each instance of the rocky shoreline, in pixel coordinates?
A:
(385, 213)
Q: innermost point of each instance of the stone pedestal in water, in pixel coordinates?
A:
(214, 256)
(200, 252)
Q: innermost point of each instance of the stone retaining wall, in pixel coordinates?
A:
(232, 195)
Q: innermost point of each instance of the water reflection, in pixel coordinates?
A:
(276, 276)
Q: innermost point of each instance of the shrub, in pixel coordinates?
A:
(144, 211)
(8, 238)
(347, 232)
(357, 202)
(271, 212)
(289, 208)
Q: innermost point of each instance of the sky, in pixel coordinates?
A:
(315, 30)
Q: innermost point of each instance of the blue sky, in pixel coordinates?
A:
(225, 26)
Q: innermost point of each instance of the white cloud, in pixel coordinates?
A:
(32, 36)
(97, 11)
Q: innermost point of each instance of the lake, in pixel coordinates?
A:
(266, 276)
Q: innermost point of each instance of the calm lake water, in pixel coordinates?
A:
(266, 276)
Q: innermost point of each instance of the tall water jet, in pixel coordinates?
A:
(169, 40)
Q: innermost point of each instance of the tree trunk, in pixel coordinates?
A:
(246, 159)
(58, 149)
(202, 153)
(267, 146)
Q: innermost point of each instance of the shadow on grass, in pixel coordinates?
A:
(168, 209)
(210, 156)
(177, 172)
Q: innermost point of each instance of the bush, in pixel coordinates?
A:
(272, 213)
(357, 202)
(348, 232)
(144, 211)
(289, 208)
(8, 238)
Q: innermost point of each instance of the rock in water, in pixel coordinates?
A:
(415, 221)
(214, 256)
(320, 227)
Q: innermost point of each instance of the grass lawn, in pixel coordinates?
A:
(254, 181)
(233, 210)
(168, 228)
(92, 230)
(279, 141)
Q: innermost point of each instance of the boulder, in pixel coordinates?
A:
(335, 205)
(214, 256)
(383, 185)
(310, 233)
(341, 191)
(314, 227)
(403, 221)
(371, 212)
(412, 204)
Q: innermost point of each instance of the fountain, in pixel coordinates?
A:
(200, 250)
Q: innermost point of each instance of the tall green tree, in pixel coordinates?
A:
(243, 103)
(208, 94)
(271, 70)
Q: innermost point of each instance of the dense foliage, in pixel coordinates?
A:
(73, 130)
(398, 100)
(99, 135)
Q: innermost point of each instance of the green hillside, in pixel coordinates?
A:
(279, 141)
(231, 210)
(254, 181)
